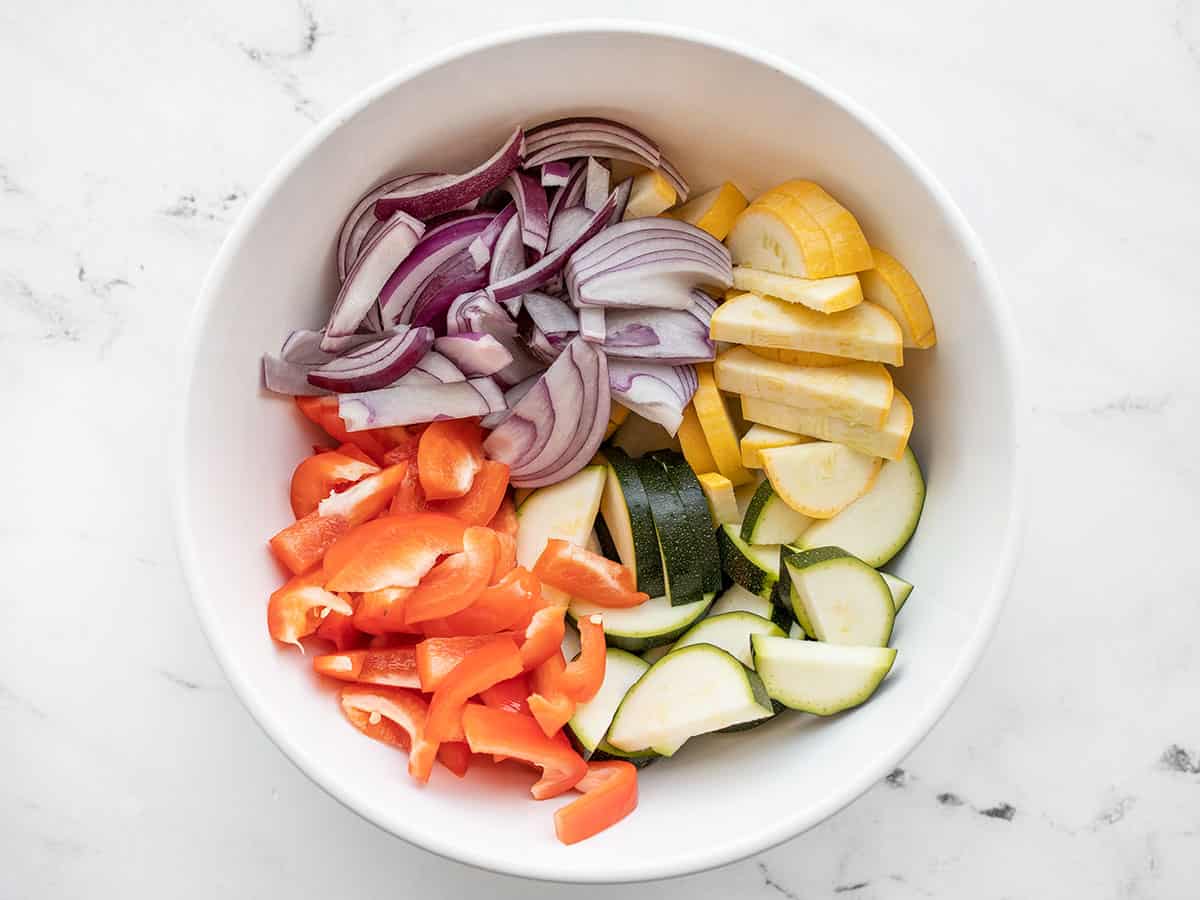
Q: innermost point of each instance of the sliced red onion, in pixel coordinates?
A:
(374, 365)
(530, 198)
(555, 429)
(624, 189)
(412, 404)
(361, 225)
(432, 369)
(474, 353)
(379, 259)
(481, 247)
(540, 346)
(571, 193)
(593, 136)
(555, 174)
(289, 378)
(508, 253)
(426, 201)
(441, 246)
(595, 185)
(675, 337)
(647, 262)
(591, 324)
(480, 313)
(550, 314)
(703, 306)
(567, 224)
(552, 263)
(654, 391)
(511, 396)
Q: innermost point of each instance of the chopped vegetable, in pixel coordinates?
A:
(609, 795)
(449, 457)
(518, 736)
(587, 576)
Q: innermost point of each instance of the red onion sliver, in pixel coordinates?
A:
(571, 193)
(374, 365)
(291, 378)
(675, 337)
(481, 247)
(595, 186)
(378, 261)
(654, 391)
(361, 225)
(555, 174)
(552, 263)
(438, 248)
(427, 202)
(413, 404)
(530, 198)
(624, 189)
(508, 253)
(567, 224)
(480, 313)
(550, 314)
(432, 369)
(591, 324)
(474, 353)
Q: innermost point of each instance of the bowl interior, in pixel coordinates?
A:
(719, 114)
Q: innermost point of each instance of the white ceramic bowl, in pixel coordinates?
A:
(720, 112)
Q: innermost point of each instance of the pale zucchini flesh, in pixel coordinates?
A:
(590, 722)
(818, 678)
(566, 510)
(876, 526)
(769, 520)
(754, 566)
(689, 692)
(638, 628)
(730, 632)
(899, 587)
(841, 597)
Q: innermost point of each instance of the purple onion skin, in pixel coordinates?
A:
(411, 347)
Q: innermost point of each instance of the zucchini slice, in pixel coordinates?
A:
(899, 587)
(639, 628)
(688, 692)
(699, 519)
(819, 678)
(730, 632)
(591, 720)
(738, 599)
(683, 569)
(754, 567)
(878, 524)
(769, 520)
(841, 597)
(566, 510)
(625, 511)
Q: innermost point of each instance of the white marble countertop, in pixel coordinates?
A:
(132, 134)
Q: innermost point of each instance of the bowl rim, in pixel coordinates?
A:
(785, 827)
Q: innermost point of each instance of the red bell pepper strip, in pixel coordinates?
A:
(504, 606)
(394, 667)
(395, 551)
(457, 581)
(438, 656)
(550, 706)
(400, 441)
(455, 756)
(609, 795)
(505, 519)
(319, 476)
(449, 456)
(304, 543)
(582, 677)
(382, 611)
(506, 556)
(587, 576)
(511, 694)
(488, 665)
(394, 716)
(354, 452)
(409, 497)
(324, 412)
(518, 736)
(480, 504)
(339, 628)
(294, 611)
(543, 636)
